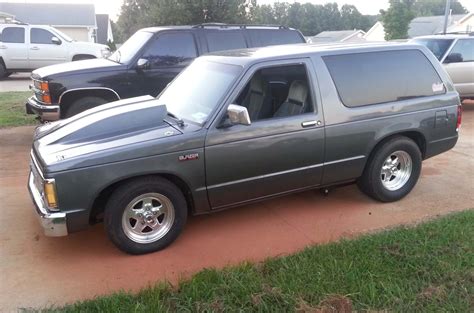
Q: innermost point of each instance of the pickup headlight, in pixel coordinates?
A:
(50, 193)
(105, 52)
(41, 90)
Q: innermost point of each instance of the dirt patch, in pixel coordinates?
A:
(331, 304)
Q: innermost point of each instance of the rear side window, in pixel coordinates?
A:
(41, 36)
(465, 49)
(270, 37)
(13, 35)
(225, 40)
(379, 77)
(171, 49)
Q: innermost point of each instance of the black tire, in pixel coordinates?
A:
(123, 196)
(3, 71)
(83, 104)
(371, 180)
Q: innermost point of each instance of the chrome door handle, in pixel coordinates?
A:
(311, 123)
(3, 47)
(34, 48)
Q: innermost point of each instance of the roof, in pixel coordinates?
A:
(55, 14)
(102, 28)
(444, 36)
(245, 57)
(429, 25)
(335, 35)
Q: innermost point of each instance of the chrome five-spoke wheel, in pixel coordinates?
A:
(396, 170)
(148, 218)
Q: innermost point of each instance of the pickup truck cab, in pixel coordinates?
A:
(242, 126)
(143, 65)
(25, 47)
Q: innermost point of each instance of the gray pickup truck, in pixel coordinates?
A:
(242, 126)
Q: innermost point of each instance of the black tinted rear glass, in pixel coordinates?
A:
(386, 76)
(270, 37)
(225, 40)
(437, 46)
(13, 35)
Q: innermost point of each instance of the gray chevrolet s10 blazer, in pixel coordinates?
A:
(242, 126)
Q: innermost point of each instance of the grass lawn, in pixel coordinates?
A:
(427, 268)
(12, 109)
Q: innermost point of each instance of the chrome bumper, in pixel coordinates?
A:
(46, 112)
(53, 223)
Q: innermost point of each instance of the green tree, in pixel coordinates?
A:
(397, 19)
(437, 7)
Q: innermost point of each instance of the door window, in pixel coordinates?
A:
(276, 92)
(13, 35)
(171, 49)
(465, 50)
(41, 36)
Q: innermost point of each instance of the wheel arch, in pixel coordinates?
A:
(69, 96)
(102, 197)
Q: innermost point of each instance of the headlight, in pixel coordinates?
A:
(42, 91)
(50, 193)
(105, 52)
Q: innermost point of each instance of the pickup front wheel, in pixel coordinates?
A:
(392, 171)
(145, 215)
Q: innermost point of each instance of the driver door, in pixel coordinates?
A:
(43, 51)
(283, 148)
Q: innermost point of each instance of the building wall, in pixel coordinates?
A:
(466, 25)
(376, 33)
(77, 33)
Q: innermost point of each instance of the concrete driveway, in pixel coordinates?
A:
(36, 271)
(16, 82)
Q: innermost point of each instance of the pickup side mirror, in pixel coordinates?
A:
(238, 115)
(143, 64)
(454, 58)
(55, 40)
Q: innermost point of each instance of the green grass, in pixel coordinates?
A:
(12, 109)
(427, 268)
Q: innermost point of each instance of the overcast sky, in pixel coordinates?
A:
(112, 7)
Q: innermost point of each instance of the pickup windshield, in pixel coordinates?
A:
(197, 91)
(130, 48)
(437, 46)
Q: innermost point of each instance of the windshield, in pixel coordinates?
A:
(62, 35)
(437, 46)
(196, 92)
(130, 48)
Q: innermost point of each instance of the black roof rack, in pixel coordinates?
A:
(470, 33)
(224, 25)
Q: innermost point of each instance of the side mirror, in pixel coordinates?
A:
(453, 58)
(143, 64)
(238, 114)
(55, 40)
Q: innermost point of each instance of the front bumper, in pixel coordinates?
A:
(53, 223)
(45, 112)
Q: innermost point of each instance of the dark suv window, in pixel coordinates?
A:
(465, 48)
(270, 37)
(225, 40)
(41, 36)
(13, 35)
(169, 49)
(379, 77)
(437, 46)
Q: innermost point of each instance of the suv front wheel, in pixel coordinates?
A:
(392, 171)
(145, 215)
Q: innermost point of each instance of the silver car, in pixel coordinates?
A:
(456, 53)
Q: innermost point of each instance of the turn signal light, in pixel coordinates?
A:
(46, 98)
(44, 86)
(50, 194)
(459, 119)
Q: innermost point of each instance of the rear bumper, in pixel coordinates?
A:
(45, 112)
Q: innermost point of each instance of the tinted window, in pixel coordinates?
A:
(170, 49)
(465, 47)
(378, 77)
(13, 35)
(269, 37)
(225, 40)
(437, 46)
(41, 36)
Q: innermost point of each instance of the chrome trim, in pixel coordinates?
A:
(88, 88)
(285, 172)
(53, 223)
(35, 104)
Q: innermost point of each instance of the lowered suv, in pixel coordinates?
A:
(24, 48)
(242, 126)
(143, 65)
(456, 53)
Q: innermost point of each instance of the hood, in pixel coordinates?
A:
(115, 130)
(76, 66)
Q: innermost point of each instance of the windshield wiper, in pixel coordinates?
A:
(180, 121)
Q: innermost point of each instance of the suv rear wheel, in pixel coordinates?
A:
(145, 215)
(3, 71)
(83, 104)
(392, 171)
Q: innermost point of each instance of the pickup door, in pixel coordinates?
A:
(279, 153)
(43, 51)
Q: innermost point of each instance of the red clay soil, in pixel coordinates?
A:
(37, 271)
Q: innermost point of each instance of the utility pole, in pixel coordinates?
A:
(446, 16)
